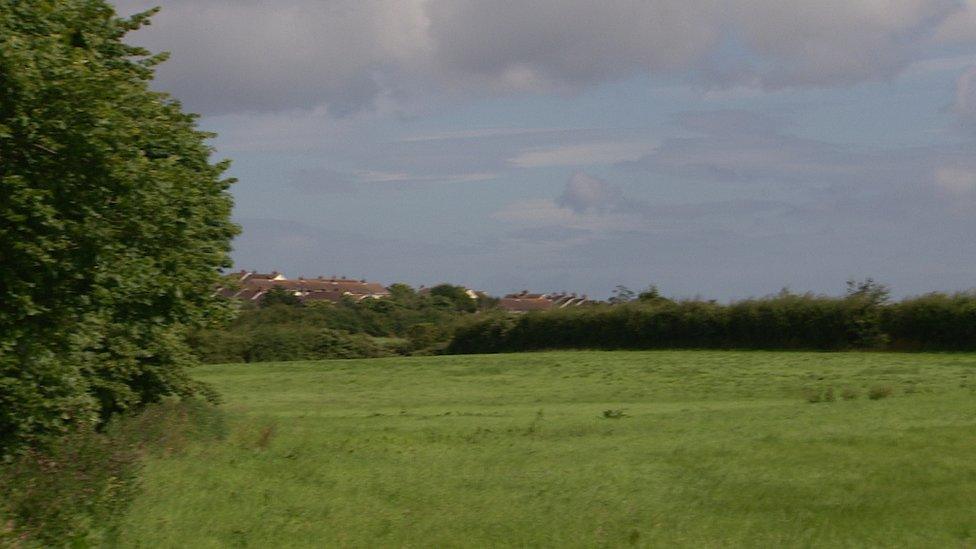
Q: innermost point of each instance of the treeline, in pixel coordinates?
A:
(863, 319)
(282, 328)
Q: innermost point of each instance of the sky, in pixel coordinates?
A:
(716, 148)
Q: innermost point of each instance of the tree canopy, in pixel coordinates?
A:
(114, 222)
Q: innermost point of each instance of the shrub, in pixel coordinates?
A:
(423, 335)
(283, 342)
(849, 394)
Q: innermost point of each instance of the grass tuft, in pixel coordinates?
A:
(879, 392)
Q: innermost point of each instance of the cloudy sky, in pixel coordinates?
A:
(726, 148)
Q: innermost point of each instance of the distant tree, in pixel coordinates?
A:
(403, 294)
(621, 294)
(867, 298)
(422, 335)
(651, 295)
(487, 302)
(114, 223)
(868, 290)
(280, 296)
(458, 295)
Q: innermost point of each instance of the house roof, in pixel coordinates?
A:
(318, 285)
(517, 304)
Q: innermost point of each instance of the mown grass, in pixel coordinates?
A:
(709, 449)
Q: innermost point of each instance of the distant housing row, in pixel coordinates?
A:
(252, 286)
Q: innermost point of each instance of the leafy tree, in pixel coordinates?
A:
(867, 297)
(652, 295)
(486, 302)
(621, 294)
(279, 296)
(423, 335)
(868, 290)
(114, 223)
(403, 294)
(458, 295)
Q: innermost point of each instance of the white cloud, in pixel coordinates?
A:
(233, 55)
(587, 203)
(370, 176)
(585, 154)
(478, 133)
(960, 27)
(536, 211)
(954, 63)
(585, 193)
(836, 42)
(551, 43)
(957, 180)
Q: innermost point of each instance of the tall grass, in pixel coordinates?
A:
(74, 491)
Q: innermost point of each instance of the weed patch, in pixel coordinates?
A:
(73, 491)
(613, 414)
(879, 392)
(814, 395)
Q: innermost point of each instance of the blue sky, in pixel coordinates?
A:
(719, 148)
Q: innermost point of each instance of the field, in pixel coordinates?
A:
(579, 449)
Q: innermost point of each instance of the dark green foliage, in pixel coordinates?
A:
(73, 492)
(279, 296)
(863, 319)
(621, 294)
(113, 223)
(651, 295)
(868, 298)
(421, 323)
(934, 322)
(424, 335)
(457, 295)
(282, 342)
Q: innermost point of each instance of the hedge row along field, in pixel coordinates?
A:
(786, 321)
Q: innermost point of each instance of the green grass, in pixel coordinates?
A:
(713, 449)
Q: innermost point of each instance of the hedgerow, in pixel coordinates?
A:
(860, 320)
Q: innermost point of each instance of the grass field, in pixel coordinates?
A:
(713, 449)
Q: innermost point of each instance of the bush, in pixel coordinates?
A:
(283, 342)
(406, 322)
(423, 336)
(72, 491)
